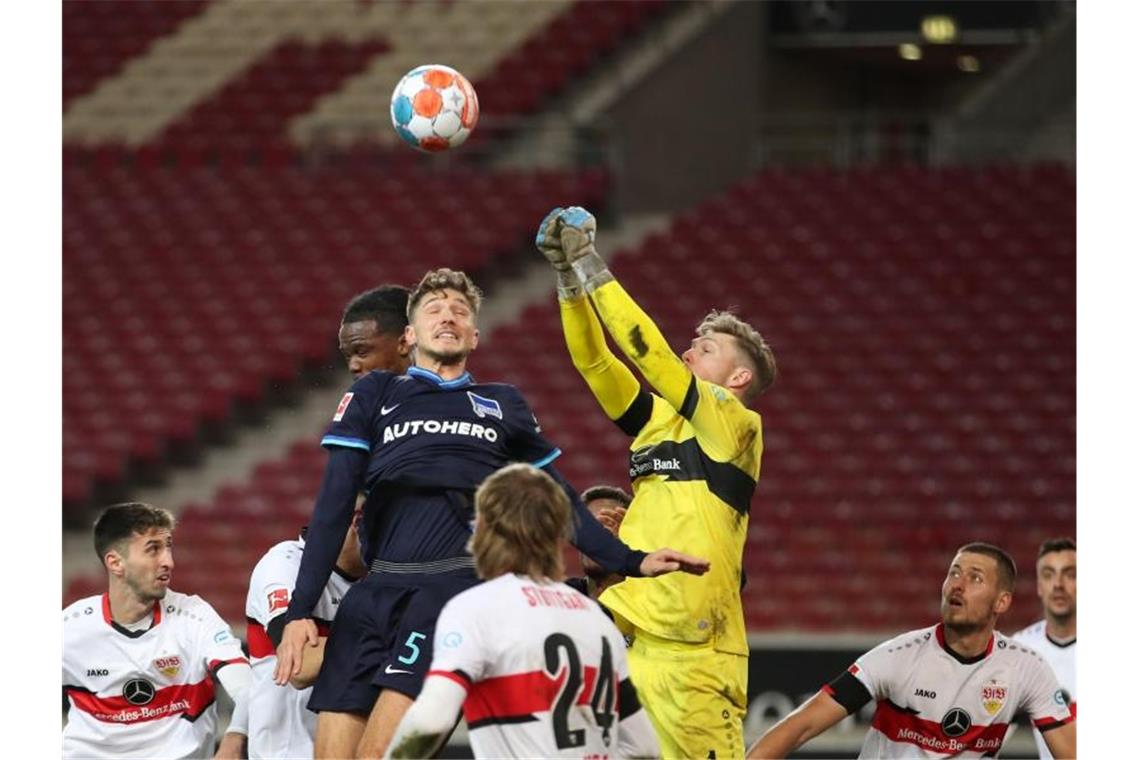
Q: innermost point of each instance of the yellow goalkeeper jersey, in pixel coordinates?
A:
(694, 464)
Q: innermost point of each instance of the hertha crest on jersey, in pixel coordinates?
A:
(485, 406)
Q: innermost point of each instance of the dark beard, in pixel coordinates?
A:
(963, 629)
(145, 596)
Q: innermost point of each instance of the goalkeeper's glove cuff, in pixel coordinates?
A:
(569, 288)
(592, 271)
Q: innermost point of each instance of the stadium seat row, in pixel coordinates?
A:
(906, 419)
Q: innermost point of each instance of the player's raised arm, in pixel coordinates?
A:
(632, 329)
(611, 382)
(728, 357)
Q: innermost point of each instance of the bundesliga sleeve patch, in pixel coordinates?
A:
(342, 407)
(278, 599)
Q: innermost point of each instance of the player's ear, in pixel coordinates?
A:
(113, 561)
(475, 340)
(1003, 602)
(402, 346)
(409, 337)
(740, 378)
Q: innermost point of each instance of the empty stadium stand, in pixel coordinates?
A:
(200, 228)
(924, 325)
(100, 36)
(188, 292)
(923, 319)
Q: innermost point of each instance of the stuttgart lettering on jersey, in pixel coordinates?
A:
(435, 427)
(540, 597)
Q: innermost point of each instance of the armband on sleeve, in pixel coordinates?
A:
(848, 691)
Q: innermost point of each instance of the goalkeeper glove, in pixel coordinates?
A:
(578, 230)
(549, 244)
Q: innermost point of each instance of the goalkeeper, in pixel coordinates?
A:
(694, 463)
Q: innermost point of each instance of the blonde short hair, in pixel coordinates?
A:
(523, 516)
(752, 345)
(445, 279)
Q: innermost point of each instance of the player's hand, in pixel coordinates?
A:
(231, 747)
(667, 561)
(291, 651)
(578, 230)
(548, 241)
(610, 518)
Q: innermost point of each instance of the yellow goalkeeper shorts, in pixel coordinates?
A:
(696, 697)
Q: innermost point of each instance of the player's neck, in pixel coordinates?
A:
(1061, 630)
(968, 642)
(126, 607)
(448, 371)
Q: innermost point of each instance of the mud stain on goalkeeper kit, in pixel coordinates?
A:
(638, 341)
(719, 619)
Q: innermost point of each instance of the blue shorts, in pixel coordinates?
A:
(381, 638)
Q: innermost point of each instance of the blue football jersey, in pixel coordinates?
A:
(431, 442)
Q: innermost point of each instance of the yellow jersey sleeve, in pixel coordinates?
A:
(724, 427)
(611, 382)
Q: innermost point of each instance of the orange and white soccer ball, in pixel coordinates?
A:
(434, 108)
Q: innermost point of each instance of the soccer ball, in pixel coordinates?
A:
(434, 108)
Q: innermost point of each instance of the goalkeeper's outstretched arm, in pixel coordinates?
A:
(611, 382)
(632, 329)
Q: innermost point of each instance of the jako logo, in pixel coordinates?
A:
(925, 693)
(98, 672)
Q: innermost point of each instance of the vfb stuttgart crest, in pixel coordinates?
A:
(994, 694)
(169, 665)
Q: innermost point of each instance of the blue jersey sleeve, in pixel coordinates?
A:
(592, 538)
(332, 515)
(351, 426)
(527, 444)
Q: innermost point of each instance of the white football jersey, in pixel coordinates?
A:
(146, 693)
(1063, 659)
(279, 723)
(545, 670)
(931, 702)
